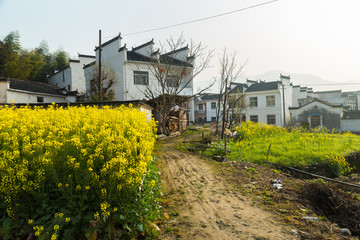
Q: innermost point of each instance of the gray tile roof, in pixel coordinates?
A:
(165, 59)
(317, 100)
(238, 87)
(210, 96)
(32, 86)
(263, 86)
(351, 115)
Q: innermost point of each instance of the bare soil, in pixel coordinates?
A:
(205, 199)
(202, 206)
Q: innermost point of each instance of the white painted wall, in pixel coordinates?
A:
(77, 74)
(296, 112)
(30, 97)
(288, 91)
(262, 110)
(4, 85)
(109, 50)
(333, 97)
(210, 113)
(350, 125)
(72, 76)
(146, 50)
(61, 79)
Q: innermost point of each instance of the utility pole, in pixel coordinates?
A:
(100, 80)
(283, 93)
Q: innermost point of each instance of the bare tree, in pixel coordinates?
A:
(173, 66)
(237, 106)
(108, 79)
(230, 70)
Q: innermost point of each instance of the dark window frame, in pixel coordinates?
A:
(40, 99)
(141, 78)
(254, 118)
(270, 101)
(202, 107)
(253, 101)
(271, 119)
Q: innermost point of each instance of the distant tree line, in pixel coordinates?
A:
(33, 65)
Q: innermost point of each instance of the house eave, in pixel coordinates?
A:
(37, 93)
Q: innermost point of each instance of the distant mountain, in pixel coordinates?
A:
(305, 80)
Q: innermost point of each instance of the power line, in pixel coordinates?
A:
(326, 84)
(202, 19)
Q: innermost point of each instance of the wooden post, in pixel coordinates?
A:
(202, 144)
(267, 157)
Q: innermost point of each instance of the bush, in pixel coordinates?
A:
(66, 173)
(216, 148)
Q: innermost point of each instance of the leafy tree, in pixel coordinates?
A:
(60, 59)
(34, 65)
(9, 53)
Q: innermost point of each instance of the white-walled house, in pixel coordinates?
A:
(317, 113)
(349, 100)
(72, 78)
(350, 121)
(206, 107)
(268, 102)
(135, 70)
(22, 91)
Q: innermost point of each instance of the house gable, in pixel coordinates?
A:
(317, 113)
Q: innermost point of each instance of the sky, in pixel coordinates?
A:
(315, 37)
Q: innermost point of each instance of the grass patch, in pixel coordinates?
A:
(294, 147)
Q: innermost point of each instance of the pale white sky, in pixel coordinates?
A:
(318, 37)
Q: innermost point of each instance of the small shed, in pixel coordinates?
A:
(317, 113)
(350, 121)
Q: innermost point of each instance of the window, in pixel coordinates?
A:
(200, 107)
(271, 120)
(253, 102)
(171, 81)
(40, 99)
(315, 120)
(213, 119)
(213, 105)
(254, 118)
(270, 101)
(141, 78)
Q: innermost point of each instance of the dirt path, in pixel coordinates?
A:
(202, 206)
